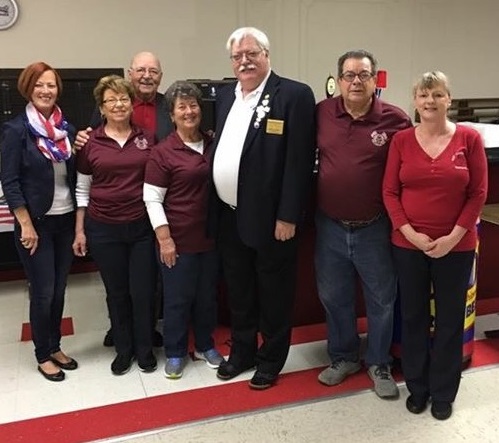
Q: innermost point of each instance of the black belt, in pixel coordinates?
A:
(359, 223)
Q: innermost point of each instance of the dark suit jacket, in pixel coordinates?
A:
(27, 176)
(164, 123)
(276, 168)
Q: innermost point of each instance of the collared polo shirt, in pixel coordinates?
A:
(117, 175)
(352, 157)
(185, 174)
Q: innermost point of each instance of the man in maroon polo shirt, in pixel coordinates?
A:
(354, 132)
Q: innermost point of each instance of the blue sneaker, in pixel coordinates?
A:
(174, 367)
(212, 357)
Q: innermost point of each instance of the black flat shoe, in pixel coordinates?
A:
(441, 410)
(58, 376)
(415, 404)
(227, 370)
(71, 365)
(261, 381)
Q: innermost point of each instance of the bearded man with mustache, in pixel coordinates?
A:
(262, 169)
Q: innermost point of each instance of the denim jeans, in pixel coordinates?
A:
(47, 272)
(124, 254)
(190, 293)
(341, 253)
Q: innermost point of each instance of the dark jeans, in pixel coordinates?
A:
(435, 369)
(124, 254)
(190, 292)
(261, 292)
(47, 271)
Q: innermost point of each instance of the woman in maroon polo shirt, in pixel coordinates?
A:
(434, 187)
(176, 194)
(112, 218)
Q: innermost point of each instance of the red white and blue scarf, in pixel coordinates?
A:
(51, 135)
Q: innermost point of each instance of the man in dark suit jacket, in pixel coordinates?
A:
(149, 107)
(265, 136)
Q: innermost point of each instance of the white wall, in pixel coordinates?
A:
(408, 37)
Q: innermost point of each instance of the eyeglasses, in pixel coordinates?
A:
(364, 76)
(250, 55)
(153, 72)
(112, 102)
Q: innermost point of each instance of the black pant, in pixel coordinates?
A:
(261, 289)
(47, 272)
(433, 369)
(124, 254)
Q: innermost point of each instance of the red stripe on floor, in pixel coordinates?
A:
(66, 329)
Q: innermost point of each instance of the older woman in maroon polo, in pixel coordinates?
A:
(176, 194)
(112, 217)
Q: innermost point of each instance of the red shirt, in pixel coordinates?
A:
(144, 115)
(434, 195)
(352, 157)
(117, 175)
(186, 175)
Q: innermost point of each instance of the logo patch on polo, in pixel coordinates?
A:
(379, 139)
(141, 143)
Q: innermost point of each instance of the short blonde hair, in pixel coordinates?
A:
(430, 80)
(116, 84)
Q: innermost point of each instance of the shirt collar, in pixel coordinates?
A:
(374, 114)
(255, 93)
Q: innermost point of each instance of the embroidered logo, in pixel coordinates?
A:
(379, 139)
(261, 111)
(459, 159)
(141, 143)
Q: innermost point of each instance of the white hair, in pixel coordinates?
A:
(241, 33)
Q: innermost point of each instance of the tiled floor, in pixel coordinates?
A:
(357, 418)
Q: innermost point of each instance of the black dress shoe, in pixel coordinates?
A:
(121, 364)
(262, 380)
(58, 376)
(416, 404)
(157, 339)
(108, 339)
(441, 410)
(227, 370)
(71, 365)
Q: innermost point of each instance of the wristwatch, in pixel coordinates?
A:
(9, 12)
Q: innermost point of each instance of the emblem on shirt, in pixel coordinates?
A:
(459, 159)
(141, 143)
(261, 111)
(379, 139)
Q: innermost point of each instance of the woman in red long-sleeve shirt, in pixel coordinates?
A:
(434, 187)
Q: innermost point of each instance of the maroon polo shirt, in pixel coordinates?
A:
(352, 157)
(117, 175)
(186, 175)
(144, 114)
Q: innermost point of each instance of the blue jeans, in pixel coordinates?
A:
(47, 272)
(190, 293)
(341, 253)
